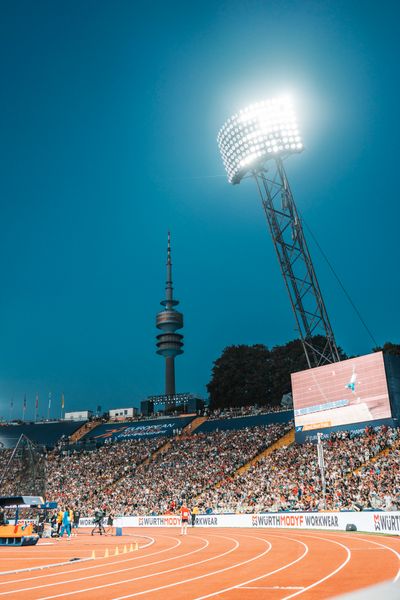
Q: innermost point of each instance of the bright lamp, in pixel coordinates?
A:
(259, 132)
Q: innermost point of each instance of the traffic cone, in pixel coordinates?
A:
(106, 555)
(125, 549)
(131, 548)
(93, 554)
(136, 546)
(116, 551)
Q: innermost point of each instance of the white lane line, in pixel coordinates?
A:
(69, 562)
(151, 575)
(46, 544)
(339, 568)
(54, 565)
(384, 547)
(356, 549)
(99, 565)
(271, 587)
(240, 585)
(106, 574)
(209, 574)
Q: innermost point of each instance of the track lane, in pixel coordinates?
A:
(364, 568)
(227, 545)
(230, 564)
(109, 567)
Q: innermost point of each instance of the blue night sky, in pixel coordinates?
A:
(109, 114)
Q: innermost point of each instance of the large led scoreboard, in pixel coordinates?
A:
(349, 394)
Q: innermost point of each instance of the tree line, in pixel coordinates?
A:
(246, 375)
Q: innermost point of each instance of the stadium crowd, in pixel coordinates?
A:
(189, 465)
(361, 471)
(112, 477)
(289, 478)
(86, 479)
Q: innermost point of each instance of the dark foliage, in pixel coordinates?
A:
(389, 348)
(248, 375)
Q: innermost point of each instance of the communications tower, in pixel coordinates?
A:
(254, 143)
(169, 343)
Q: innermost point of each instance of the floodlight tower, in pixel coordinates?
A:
(169, 343)
(254, 143)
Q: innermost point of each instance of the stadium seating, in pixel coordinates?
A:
(224, 467)
(45, 434)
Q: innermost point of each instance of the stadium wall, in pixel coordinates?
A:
(310, 436)
(392, 368)
(368, 521)
(247, 421)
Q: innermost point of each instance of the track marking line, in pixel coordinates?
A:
(271, 587)
(384, 547)
(46, 544)
(39, 568)
(339, 568)
(236, 545)
(239, 585)
(356, 549)
(105, 574)
(209, 574)
(97, 566)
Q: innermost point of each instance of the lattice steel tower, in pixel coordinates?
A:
(169, 320)
(254, 143)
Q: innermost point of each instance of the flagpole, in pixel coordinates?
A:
(48, 408)
(62, 404)
(36, 407)
(11, 408)
(24, 408)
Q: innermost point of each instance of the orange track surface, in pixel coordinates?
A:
(232, 564)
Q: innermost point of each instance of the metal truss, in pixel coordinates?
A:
(296, 265)
(25, 471)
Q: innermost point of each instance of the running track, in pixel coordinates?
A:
(228, 564)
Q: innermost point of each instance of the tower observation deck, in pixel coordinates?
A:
(169, 343)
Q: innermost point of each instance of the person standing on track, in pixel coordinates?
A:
(185, 514)
(195, 511)
(77, 516)
(71, 519)
(110, 524)
(66, 524)
(59, 520)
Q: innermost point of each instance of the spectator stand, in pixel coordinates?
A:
(286, 440)
(383, 453)
(46, 434)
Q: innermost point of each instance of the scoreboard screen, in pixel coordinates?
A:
(351, 391)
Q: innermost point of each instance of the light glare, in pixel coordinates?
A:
(250, 136)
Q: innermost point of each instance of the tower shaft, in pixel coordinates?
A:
(295, 263)
(170, 376)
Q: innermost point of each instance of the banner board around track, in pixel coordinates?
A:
(380, 522)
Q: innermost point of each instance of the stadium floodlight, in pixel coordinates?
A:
(256, 133)
(255, 142)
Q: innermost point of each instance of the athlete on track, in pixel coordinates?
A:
(185, 514)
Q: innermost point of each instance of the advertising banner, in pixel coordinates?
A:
(138, 430)
(380, 522)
